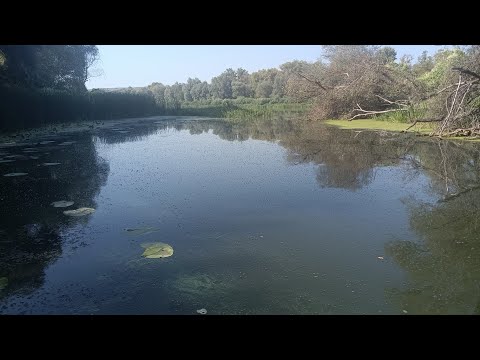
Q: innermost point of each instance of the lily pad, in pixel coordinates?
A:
(6, 161)
(141, 231)
(79, 212)
(15, 174)
(3, 283)
(157, 250)
(50, 164)
(62, 203)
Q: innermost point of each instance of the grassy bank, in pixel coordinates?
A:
(370, 124)
(240, 110)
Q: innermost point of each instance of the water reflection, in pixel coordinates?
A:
(443, 267)
(31, 229)
(390, 223)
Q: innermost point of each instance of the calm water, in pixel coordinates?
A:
(266, 217)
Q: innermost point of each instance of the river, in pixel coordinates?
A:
(264, 217)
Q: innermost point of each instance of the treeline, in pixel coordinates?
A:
(356, 82)
(269, 85)
(44, 84)
(232, 94)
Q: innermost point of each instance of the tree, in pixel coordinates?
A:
(240, 89)
(221, 86)
(171, 101)
(65, 67)
(387, 54)
(264, 89)
(187, 88)
(423, 65)
(158, 92)
(18, 64)
(279, 85)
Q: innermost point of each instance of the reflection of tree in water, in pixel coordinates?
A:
(444, 269)
(347, 159)
(30, 232)
(135, 131)
(269, 130)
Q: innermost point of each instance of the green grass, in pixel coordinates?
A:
(268, 110)
(370, 124)
(462, 138)
(240, 110)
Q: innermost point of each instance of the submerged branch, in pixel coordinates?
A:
(453, 196)
(422, 120)
(372, 112)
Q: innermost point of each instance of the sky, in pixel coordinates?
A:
(141, 65)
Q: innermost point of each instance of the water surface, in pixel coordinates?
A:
(265, 217)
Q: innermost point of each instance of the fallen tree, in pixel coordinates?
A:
(361, 82)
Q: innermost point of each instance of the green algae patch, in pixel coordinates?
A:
(15, 174)
(157, 250)
(62, 203)
(79, 212)
(141, 231)
(379, 125)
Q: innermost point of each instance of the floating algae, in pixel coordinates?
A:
(15, 174)
(157, 250)
(141, 231)
(79, 212)
(62, 203)
(18, 157)
(51, 164)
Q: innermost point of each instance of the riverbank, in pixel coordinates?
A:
(370, 124)
(244, 109)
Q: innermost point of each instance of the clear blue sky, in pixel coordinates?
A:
(140, 65)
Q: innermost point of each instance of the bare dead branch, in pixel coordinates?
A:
(398, 102)
(466, 71)
(422, 120)
(315, 82)
(372, 112)
(453, 196)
